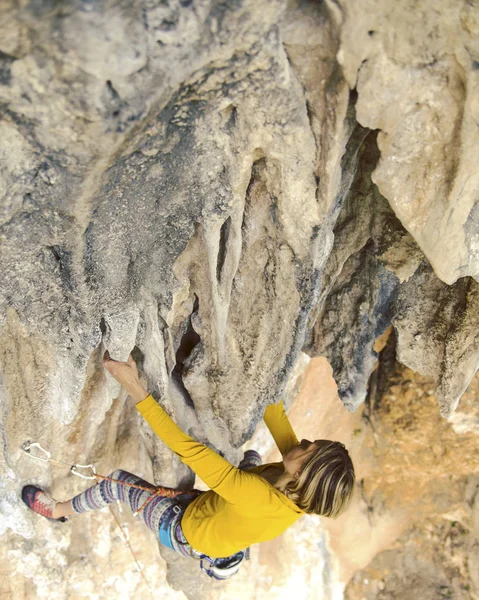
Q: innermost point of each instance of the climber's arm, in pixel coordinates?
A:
(236, 486)
(280, 427)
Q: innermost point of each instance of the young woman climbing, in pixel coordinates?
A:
(244, 506)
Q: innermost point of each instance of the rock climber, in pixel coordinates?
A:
(245, 505)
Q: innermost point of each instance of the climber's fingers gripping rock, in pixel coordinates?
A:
(126, 373)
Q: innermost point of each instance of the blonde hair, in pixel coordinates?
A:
(326, 484)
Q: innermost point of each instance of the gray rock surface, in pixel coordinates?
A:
(210, 182)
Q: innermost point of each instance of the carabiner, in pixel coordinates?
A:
(207, 570)
(74, 470)
(27, 446)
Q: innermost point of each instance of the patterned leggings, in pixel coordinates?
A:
(162, 514)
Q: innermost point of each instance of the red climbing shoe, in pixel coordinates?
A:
(39, 502)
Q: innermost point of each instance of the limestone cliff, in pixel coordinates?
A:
(220, 185)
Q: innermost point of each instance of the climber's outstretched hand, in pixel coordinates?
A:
(126, 373)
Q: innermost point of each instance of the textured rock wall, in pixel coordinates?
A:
(221, 184)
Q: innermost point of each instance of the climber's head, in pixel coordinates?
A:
(322, 477)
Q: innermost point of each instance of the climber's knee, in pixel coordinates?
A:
(119, 474)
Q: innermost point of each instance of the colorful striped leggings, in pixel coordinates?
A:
(162, 514)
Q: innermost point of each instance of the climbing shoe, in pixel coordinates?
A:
(38, 501)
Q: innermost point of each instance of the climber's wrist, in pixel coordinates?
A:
(137, 392)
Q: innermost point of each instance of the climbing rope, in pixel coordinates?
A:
(35, 451)
(154, 490)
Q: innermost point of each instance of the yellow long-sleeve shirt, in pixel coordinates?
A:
(242, 508)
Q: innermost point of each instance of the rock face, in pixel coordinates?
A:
(221, 184)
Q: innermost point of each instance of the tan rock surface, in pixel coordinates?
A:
(413, 517)
(426, 112)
